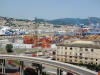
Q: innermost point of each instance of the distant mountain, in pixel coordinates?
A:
(62, 21)
(71, 21)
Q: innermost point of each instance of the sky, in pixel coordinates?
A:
(49, 9)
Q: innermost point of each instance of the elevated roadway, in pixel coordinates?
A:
(63, 66)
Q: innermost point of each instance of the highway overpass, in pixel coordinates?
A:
(60, 65)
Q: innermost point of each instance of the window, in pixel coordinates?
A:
(76, 53)
(65, 59)
(70, 48)
(91, 58)
(70, 56)
(85, 62)
(96, 59)
(76, 57)
(91, 62)
(80, 61)
(86, 58)
(96, 63)
(86, 49)
(81, 54)
(75, 60)
(65, 47)
(92, 50)
(70, 60)
(80, 57)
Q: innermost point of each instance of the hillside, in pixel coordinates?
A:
(62, 21)
(72, 21)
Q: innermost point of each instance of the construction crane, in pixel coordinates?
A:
(81, 26)
(36, 35)
(89, 21)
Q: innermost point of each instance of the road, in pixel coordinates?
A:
(47, 69)
(12, 69)
(66, 66)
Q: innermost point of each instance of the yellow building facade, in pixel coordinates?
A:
(78, 53)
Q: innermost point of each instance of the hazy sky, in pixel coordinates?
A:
(50, 9)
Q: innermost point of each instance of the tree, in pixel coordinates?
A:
(9, 48)
(30, 71)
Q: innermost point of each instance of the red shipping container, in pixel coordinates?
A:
(46, 45)
(33, 55)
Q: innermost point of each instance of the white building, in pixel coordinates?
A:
(15, 45)
(3, 29)
(4, 41)
(18, 45)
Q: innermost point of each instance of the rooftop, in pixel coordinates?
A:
(81, 45)
(82, 42)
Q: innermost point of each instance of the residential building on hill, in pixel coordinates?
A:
(2, 21)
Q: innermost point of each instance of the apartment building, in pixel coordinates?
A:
(79, 52)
